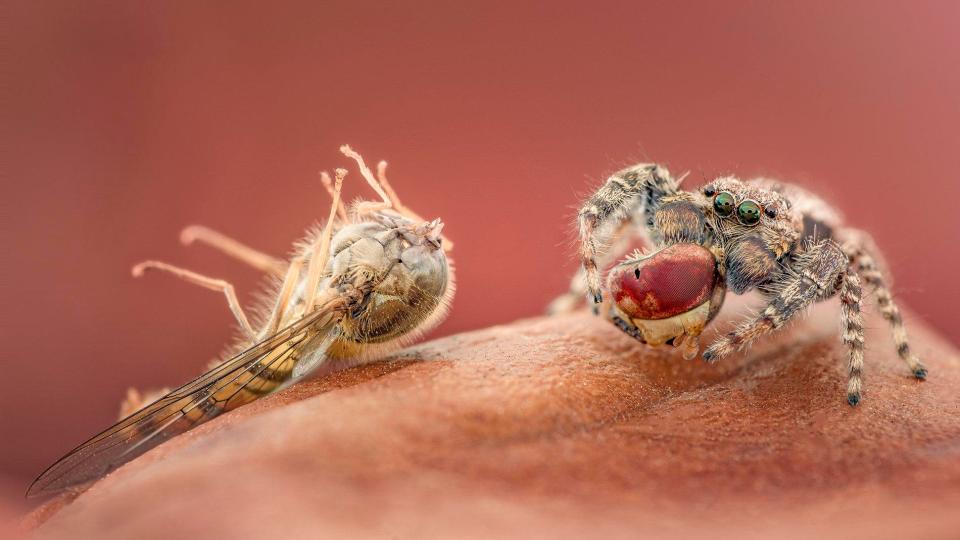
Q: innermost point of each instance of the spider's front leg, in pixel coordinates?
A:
(815, 278)
(619, 244)
(612, 206)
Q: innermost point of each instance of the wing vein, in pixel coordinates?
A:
(129, 437)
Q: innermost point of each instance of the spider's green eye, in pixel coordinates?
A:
(749, 213)
(723, 203)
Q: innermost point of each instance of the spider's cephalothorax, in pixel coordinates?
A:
(765, 235)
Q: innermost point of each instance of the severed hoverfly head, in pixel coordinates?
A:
(670, 295)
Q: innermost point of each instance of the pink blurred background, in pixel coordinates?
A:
(126, 121)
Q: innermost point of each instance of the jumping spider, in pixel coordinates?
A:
(768, 236)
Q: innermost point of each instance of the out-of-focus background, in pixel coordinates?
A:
(124, 122)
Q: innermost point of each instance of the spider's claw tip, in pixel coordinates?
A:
(920, 373)
(853, 399)
(709, 356)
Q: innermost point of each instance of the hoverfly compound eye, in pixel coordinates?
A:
(724, 203)
(749, 212)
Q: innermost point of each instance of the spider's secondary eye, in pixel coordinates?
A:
(709, 191)
(749, 213)
(723, 203)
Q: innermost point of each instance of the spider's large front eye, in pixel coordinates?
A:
(723, 203)
(749, 212)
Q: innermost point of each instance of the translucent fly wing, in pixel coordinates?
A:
(259, 370)
(312, 361)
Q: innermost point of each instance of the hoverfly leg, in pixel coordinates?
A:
(232, 248)
(286, 292)
(321, 247)
(206, 282)
(388, 196)
(328, 184)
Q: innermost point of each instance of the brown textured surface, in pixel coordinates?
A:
(126, 121)
(564, 427)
